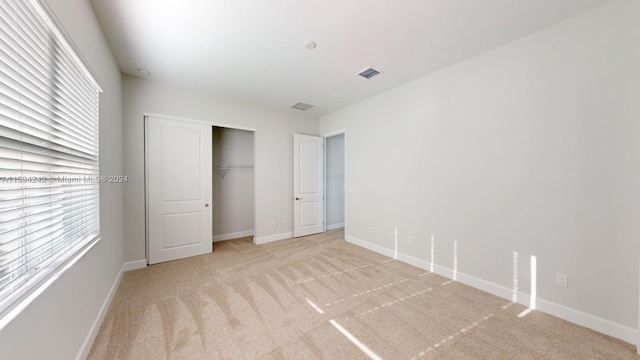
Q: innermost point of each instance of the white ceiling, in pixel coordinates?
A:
(253, 50)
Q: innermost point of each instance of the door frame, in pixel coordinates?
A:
(212, 123)
(324, 139)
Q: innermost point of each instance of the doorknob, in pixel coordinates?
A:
(298, 198)
(206, 205)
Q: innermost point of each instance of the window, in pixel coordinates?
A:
(49, 199)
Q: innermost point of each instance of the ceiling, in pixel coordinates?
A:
(253, 50)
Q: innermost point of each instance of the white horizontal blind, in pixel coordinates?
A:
(49, 200)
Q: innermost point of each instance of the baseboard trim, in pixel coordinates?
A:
(369, 246)
(134, 265)
(335, 226)
(88, 342)
(598, 324)
(234, 235)
(267, 239)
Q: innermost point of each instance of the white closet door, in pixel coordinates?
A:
(308, 185)
(179, 189)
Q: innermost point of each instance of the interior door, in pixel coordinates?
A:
(179, 189)
(308, 185)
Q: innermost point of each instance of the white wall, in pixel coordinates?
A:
(532, 147)
(233, 193)
(273, 148)
(58, 322)
(335, 181)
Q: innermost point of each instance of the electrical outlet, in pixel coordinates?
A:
(410, 239)
(562, 280)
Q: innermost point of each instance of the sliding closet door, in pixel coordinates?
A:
(179, 193)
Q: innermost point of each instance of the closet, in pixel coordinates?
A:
(233, 183)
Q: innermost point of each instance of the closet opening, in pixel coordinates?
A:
(334, 181)
(233, 184)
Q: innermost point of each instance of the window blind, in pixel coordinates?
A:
(49, 198)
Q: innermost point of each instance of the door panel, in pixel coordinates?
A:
(308, 167)
(173, 229)
(308, 214)
(179, 190)
(181, 161)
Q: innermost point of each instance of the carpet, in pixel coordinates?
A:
(319, 297)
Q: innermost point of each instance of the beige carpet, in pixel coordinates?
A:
(319, 297)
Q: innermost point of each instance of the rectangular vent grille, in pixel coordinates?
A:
(369, 73)
(302, 106)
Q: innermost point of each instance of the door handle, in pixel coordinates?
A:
(206, 205)
(298, 198)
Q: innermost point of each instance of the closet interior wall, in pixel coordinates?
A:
(233, 183)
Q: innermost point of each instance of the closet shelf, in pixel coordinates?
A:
(224, 169)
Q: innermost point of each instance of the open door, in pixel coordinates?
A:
(179, 191)
(308, 187)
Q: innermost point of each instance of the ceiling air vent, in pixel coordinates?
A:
(369, 73)
(302, 106)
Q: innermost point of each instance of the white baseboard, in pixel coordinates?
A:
(88, 342)
(601, 325)
(134, 265)
(598, 324)
(369, 246)
(234, 235)
(266, 239)
(335, 226)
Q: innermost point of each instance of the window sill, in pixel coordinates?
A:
(16, 303)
